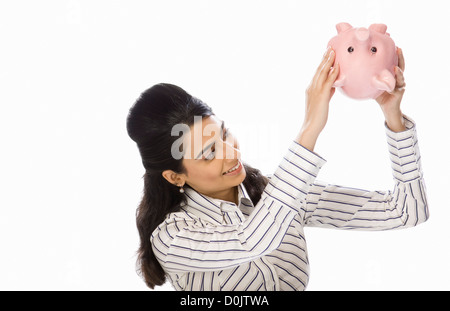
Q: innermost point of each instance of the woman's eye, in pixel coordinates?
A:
(212, 154)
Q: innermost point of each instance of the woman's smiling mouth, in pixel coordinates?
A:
(234, 170)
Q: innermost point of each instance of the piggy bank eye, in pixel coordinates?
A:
(373, 49)
(350, 49)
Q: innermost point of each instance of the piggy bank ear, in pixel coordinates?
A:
(381, 28)
(343, 27)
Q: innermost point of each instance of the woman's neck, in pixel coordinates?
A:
(230, 195)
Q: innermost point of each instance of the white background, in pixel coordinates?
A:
(71, 178)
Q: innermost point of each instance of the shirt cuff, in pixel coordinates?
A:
(404, 152)
(295, 175)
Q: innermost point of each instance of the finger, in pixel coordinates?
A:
(325, 56)
(401, 59)
(400, 78)
(400, 81)
(324, 60)
(326, 67)
(334, 73)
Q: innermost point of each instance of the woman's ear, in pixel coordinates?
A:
(173, 178)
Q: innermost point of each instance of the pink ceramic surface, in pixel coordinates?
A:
(367, 58)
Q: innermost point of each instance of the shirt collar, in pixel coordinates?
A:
(213, 209)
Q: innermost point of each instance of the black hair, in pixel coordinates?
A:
(149, 123)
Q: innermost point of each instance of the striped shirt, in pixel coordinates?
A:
(211, 244)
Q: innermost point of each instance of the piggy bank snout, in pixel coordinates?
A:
(362, 34)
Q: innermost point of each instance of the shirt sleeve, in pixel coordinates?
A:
(350, 208)
(181, 244)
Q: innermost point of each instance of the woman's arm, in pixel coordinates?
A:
(349, 208)
(405, 206)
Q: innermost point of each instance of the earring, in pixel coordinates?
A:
(181, 189)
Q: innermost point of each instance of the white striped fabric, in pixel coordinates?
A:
(212, 244)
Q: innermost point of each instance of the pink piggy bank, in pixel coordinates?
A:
(367, 58)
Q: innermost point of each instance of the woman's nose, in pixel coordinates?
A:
(230, 152)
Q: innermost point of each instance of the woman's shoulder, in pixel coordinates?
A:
(182, 220)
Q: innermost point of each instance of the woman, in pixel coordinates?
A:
(207, 221)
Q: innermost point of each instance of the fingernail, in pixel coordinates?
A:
(336, 64)
(330, 55)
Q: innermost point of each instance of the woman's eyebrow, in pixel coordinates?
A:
(209, 145)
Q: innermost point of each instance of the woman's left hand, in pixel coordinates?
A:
(318, 96)
(390, 102)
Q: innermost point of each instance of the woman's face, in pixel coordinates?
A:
(212, 159)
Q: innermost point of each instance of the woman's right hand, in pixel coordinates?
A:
(318, 96)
